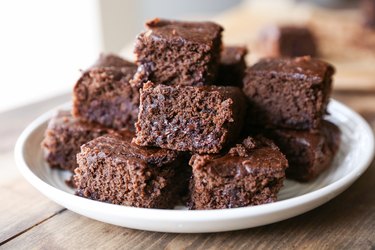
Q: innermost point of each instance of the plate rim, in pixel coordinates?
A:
(170, 215)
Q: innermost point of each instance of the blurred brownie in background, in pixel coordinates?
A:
(368, 10)
(251, 173)
(103, 94)
(308, 153)
(64, 137)
(178, 53)
(114, 170)
(286, 41)
(232, 66)
(288, 93)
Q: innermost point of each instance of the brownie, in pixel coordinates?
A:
(287, 41)
(308, 153)
(178, 53)
(251, 173)
(189, 118)
(104, 95)
(232, 66)
(112, 60)
(288, 93)
(64, 137)
(368, 12)
(114, 170)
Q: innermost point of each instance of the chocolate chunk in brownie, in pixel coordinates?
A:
(308, 153)
(251, 173)
(288, 93)
(113, 170)
(286, 41)
(232, 66)
(64, 137)
(198, 119)
(368, 12)
(178, 53)
(103, 94)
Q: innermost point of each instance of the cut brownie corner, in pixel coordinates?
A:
(232, 66)
(178, 53)
(196, 119)
(64, 137)
(114, 170)
(104, 95)
(251, 173)
(288, 92)
(309, 153)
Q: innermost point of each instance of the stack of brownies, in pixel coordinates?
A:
(188, 121)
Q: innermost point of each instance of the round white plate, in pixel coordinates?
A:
(354, 156)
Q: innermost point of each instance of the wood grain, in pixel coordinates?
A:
(347, 222)
(22, 207)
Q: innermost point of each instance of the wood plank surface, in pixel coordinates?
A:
(21, 206)
(347, 222)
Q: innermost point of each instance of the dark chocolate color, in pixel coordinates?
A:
(232, 66)
(287, 41)
(251, 173)
(64, 137)
(178, 53)
(288, 93)
(103, 94)
(114, 170)
(309, 153)
(198, 119)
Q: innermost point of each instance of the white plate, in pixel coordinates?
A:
(354, 156)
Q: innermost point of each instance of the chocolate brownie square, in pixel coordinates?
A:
(178, 53)
(368, 11)
(112, 169)
(286, 41)
(288, 93)
(103, 94)
(198, 119)
(232, 66)
(308, 153)
(64, 137)
(251, 173)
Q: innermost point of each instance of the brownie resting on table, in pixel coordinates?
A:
(103, 94)
(113, 170)
(64, 137)
(178, 53)
(199, 119)
(232, 66)
(288, 93)
(308, 153)
(286, 41)
(251, 173)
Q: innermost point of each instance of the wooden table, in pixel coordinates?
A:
(29, 220)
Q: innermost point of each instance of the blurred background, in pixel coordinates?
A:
(44, 44)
